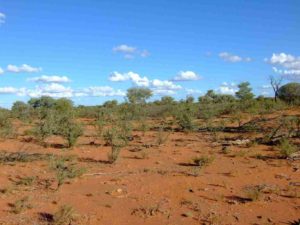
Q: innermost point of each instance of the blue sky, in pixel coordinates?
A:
(92, 51)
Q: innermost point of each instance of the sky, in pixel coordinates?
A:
(94, 50)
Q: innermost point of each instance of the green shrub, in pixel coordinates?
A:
(64, 170)
(286, 148)
(64, 216)
(203, 161)
(6, 128)
(254, 193)
(290, 93)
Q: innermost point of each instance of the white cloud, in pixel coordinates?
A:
(116, 77)
(134, 77)
(129, 52)
(23, 68)
(2, 18)
(193, 91)
(53, 90)
(56, 90)
(158, 86)
(1, 71)
(163, 92)
(186, 76)
(101, 91)
(289, 65)
(8, 90)
(228, 57)
(164, 85)
(125, 49)
(227, 88)
(50, 79)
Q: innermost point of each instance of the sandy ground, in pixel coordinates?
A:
(152, 184)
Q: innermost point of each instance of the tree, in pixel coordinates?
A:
(110, 104)
(245, 92)
(189, 99)
(42, 102)
(138, 95)
(63, 105)
(290, 93)
(167, 100)
(275, 83)
(21, 110)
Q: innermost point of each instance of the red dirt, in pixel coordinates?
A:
(156, 185)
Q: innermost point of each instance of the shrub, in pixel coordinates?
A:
(114, 154)
(185, 118)
(254, 193)
(70, 130)
(117, 137)
(20, 205)
(290, 93)
(58, 118)
(161, 136)
(286, 148)
(64, 171)
(64, 216)
(203, 161)
(22, 111)
(6, 128)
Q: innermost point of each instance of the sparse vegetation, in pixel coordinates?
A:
(64, 216)
(64, 170)
(21, 205)
(286, 148)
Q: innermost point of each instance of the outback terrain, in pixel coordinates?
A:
(164, 175)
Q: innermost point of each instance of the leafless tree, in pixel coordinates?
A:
(275, 83)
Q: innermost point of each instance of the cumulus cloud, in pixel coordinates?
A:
(1, 71)
(53, 90)
(8, 90)
(124, 49)
(227, 88)
(130, 52)
(23, 69)
(289, 65)
(134, 77)
(2, 18)
(193, 91)
(56, 90)
(158, 86)
(50, 79)
(163, 92)
(186, 76)
(101, 91)
(228, 57)
(164, 85)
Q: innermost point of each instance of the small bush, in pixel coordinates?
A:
(64, 216)
(286, 148)
(6, 128)
(254, 193)
(114, 154)
(203, 161)
(20, 205)
(64, 171)
(161, 136)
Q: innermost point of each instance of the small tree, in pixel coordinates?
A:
(290, 93)
(21, 110)
(275, 83)
(245, 92)
(138, 95)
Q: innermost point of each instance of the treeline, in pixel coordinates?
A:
(114, 121)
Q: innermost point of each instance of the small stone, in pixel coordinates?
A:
(187, 214)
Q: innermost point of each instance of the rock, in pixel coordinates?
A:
(187, 214)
